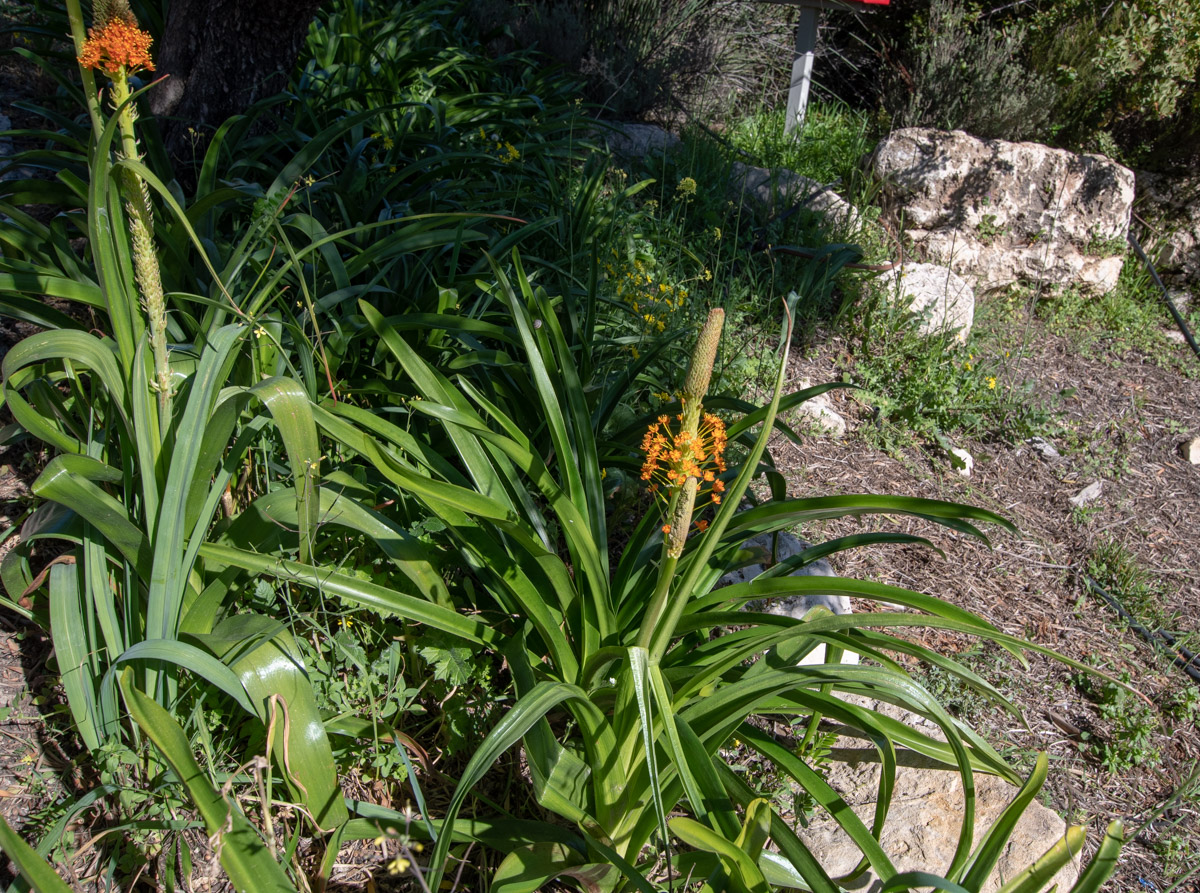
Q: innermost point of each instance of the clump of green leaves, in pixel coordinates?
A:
(1132, 724)
(1128, 318)
(932, 387)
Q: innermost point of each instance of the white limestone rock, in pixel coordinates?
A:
(925, 817)
(998, 212)
(939, 299)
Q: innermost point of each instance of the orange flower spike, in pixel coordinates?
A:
(117, 45)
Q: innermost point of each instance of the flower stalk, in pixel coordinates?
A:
(679, 463)
(116, 46)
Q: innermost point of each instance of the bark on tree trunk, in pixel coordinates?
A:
(221, 56)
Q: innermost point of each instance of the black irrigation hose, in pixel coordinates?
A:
(1160, 639)
(1179, 320)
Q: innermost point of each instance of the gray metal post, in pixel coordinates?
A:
(802, 66)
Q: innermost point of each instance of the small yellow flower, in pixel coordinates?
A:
(687, 186)
(991, 382)
(399, 865)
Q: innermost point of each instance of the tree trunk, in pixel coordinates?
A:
(221, 56)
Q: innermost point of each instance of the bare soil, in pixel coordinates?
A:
(1123, 426)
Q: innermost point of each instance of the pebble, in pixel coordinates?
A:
(962, 461)
(1087, 494)
(1043, 448)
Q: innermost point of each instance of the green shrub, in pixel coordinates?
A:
(635, 56)
(969, 73)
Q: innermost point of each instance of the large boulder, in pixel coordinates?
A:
(998, 212)
(770, 192)
(629, 140)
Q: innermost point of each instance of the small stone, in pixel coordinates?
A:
(962, 462)
(821, 414)
(1087, 494)
(1043, 448)
(1190, 450)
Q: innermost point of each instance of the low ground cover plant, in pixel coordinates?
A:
(370, 467)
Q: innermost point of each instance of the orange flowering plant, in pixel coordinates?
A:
(653, 666)
(117, 45)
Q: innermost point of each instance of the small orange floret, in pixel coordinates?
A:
(666, 528)
(118, 44)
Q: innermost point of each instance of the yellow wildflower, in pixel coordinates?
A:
(686, 187)
(991, 382)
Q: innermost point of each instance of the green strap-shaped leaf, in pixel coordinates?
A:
(244, 856)
(794, 859)
(270, 513)
(191, 658)
(828, 799)
(1104, 863)
(69, 481)
(906, 881)
(291, 410)
(528, 710)
(173, 553)
(739, 866)
(984, 859)
(526, 869)
(356, 590)
(75, 652)
(264, 656)
(33, 868)
(1035, 878)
